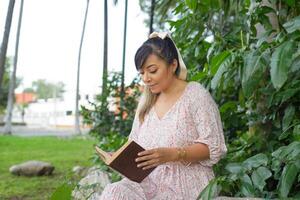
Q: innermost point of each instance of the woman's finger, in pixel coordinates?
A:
(147, 157)
(148, 163)
(146, 152)
(151, 166)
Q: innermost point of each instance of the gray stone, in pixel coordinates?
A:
(79, 170)
(32, 168)
(91, 185)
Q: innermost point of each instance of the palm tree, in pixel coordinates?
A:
(4, 43)
(151, 16)
(123, 66)
(10, 102)
(105, 51)
(77, 125)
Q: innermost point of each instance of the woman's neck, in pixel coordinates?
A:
(176, 86)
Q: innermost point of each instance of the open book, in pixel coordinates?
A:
(123, 161)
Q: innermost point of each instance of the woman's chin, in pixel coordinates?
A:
(154, 91)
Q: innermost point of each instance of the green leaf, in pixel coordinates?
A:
(210, 191)
(217, 61)
(259, 176)
(62, 192)
(296, 130)
(247, 188)
(292, 25)
(281, 62)
(219, 66)
(234, 168)
(256, 161)
(287, 179)
(192, 4)
(199, 76)
(229, 106)
(290, 2)
(296, 64)
(252, 72)
(288, 117)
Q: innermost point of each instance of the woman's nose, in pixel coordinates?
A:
(145, 77)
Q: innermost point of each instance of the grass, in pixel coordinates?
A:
(63, 153)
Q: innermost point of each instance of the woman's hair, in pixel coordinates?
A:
(164, 49)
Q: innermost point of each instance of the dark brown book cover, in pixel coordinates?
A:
(123, 161)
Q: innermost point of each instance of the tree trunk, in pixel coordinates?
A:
(10, 102)
(77, 123)
(123, 69)
(151, 16)
(105, 50)
(4, 43)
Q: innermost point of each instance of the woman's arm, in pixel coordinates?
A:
(154, 157)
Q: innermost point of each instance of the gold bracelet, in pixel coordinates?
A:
(181, 154)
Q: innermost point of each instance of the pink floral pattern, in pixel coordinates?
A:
(193, 118)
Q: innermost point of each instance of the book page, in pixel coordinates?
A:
(106, 157)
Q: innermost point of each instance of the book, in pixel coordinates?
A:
(123, 161)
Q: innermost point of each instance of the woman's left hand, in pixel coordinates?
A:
(154, 157)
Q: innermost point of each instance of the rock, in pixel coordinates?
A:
(92, 184)
(79, 171)
(32, 168)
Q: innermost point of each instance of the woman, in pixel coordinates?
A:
(177, 122)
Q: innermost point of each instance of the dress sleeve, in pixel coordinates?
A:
(207, 120)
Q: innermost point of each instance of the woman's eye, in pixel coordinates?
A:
(153, 71)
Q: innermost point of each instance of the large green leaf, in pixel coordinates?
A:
(287, 179)
(281, 62)
(219, 66)
(256, 161)
(252, 73)
(234, 168)
(210, 191)
(296, 64)
(192, 4)
(259, 176)
(292, 25)
(288, 117)
(247, 188)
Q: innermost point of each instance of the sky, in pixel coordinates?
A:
(50, 38)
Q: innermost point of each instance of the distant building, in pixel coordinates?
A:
(25, 98)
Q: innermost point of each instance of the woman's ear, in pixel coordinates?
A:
(174, 65)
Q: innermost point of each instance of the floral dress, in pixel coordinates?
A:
(194, 118)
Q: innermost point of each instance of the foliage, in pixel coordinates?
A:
(46, 90)
(107, 124)
(162, 11)
(253, 73)
(5, 84)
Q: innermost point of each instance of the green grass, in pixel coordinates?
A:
(63, 153)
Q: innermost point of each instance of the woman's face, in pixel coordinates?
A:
(156, 73)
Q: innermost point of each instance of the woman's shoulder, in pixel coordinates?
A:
(196, 88)
(198, 94)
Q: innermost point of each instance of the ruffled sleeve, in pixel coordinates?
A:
(207, 121)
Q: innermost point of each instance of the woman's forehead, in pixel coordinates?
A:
(152, 59)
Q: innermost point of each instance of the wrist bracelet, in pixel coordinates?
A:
(181, 154)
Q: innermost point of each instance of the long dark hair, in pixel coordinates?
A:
(164, 49)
